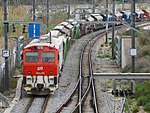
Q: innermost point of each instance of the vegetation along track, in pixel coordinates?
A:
(87, 67)
(39, 107)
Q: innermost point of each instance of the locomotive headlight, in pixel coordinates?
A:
(29, 72)
(51, 72)
(40, 47)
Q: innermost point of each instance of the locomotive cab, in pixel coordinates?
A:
(40, 69)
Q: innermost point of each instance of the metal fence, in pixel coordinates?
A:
(11, 64)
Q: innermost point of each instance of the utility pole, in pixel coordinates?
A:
(93, 2)
(133, 33)
(6, 75)
(122, 5)
(47, 20)
(33, 10)
(113, 29)
(106, 41)
(68, 9)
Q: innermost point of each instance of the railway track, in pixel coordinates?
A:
(86, 95)
(84, 92)
(34, 101)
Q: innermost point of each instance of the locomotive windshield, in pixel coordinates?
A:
(48, 56)
(32, 56)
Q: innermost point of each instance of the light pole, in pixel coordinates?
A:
(68, 9)
(122, 5)
(133, 33)
(93, 2)
(113, 29)
(106, 41)
(33, 10)
(6, 75)
(47, 20)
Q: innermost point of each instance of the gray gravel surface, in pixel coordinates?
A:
(36, 105)
(21, 105)
(105, 99)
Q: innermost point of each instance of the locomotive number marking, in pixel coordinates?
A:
(39, 68)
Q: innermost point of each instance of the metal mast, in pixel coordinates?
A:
(133, 32)
(106, 42)
(122, 5)
(93, 2)
(47, 20)
(6, 75)
(68, 9)
(113, 29)
(33, 10)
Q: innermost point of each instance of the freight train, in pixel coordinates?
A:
(43, 58)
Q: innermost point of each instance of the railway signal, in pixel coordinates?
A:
(24, 29)
(13, 28)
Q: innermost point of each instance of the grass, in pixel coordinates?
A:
(57, 18)
(21, 13)
(142, 66)
(14, 13)
(104, 52)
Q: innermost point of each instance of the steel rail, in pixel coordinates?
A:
(80, 75)
(29, 105)
(45, 104)
(92, 80)
(91, 83)
(76, 86)
(78, 82)
(59, 109)
(69, 97)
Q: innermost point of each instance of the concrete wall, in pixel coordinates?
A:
(125, 50)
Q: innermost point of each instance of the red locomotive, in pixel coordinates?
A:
(40, 68)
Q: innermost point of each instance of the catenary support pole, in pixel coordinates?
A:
(68, 9)
(122, 5)
(6, 75)
(47, 20)
(133, 32)
(93, 2)
(106, 40)
(113, 30)
(33, 10)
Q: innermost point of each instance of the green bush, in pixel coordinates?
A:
(142, 101)
(135, 109)
(147, 107)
